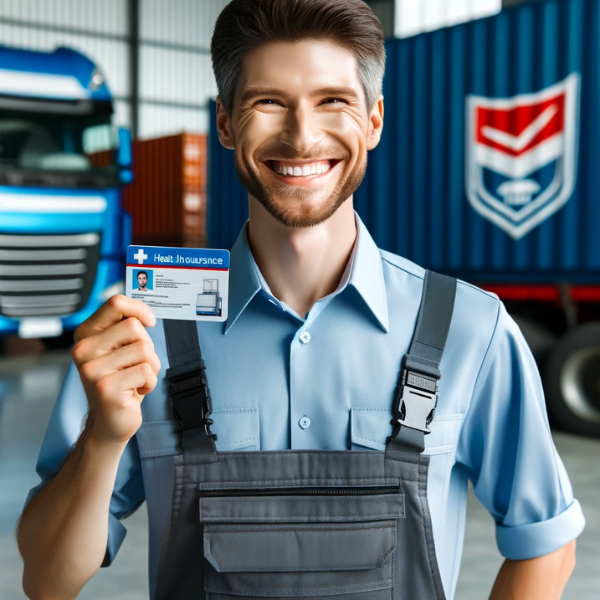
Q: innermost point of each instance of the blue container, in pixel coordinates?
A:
(488, 168)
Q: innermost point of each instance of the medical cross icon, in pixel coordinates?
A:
(140, 256)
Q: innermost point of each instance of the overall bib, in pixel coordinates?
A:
(341, 525)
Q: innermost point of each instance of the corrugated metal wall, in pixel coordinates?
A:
(413, 198)
(175, 77)
(416, 16)
(98, 29)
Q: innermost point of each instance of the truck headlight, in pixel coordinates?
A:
(96, 80)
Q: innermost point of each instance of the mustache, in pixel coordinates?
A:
(283, 152)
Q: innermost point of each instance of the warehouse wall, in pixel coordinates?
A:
(99, 29)
(175, 77)
(416, 16)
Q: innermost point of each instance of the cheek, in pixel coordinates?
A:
(349, 132)
(256, 128)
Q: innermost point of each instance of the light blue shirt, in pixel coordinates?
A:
(280, 381)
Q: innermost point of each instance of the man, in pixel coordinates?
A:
(142, 279)
(319, 321)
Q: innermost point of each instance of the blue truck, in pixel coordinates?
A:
(63, 232)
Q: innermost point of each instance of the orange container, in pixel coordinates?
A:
(167, 199)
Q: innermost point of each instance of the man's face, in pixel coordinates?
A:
(300, 129)
(142, 280)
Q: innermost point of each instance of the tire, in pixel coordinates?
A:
(572, 381)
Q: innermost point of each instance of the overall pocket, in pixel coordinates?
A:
(332, 541)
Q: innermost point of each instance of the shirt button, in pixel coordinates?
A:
(304, 422)
(305, 338)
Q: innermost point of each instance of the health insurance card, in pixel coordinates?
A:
(180, 283)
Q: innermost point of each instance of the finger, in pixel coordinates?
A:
(120, 359)
(115, 384)
(108, 340)
(115, 309)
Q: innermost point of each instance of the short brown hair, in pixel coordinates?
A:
(244, 25)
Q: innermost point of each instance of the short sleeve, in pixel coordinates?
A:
(507, 448)
(65, 426)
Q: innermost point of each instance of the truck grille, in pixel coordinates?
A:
(46, 275)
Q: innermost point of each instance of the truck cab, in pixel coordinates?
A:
(63, 232)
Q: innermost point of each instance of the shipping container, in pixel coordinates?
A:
(167, 200)
(488, 170)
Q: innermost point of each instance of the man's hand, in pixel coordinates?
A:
(118, 366)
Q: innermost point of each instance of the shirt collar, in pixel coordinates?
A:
(366, 275)
(364, 272)
(244, 283)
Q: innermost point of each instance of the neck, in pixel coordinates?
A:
(301, 265)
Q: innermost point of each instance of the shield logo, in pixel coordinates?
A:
(521, 162)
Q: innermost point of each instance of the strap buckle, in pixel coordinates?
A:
(191, 401)
(417, 404)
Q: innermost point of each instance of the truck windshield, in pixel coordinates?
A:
(58, 143)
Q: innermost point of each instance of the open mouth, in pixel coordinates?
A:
(296, 169)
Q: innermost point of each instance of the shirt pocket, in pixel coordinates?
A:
(370, 427)
(236, 429)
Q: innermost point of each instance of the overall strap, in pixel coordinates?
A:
(188, 386)
(415, 398)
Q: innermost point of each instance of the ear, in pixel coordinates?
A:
(224, 127)
(375, 124)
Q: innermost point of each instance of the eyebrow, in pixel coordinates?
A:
(346, 92)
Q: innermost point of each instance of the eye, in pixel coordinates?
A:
(266, 101)
(334, 101)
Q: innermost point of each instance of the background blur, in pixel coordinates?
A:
(487, 170)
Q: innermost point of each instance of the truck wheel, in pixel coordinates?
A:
(572, 381)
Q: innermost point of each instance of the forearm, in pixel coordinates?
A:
(542, 578)
(64, 531)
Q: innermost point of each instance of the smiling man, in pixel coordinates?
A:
(320, 482)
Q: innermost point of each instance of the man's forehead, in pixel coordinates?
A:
(306, 65)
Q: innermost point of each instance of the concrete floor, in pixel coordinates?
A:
(28, 388)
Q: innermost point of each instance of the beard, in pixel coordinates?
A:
(290, 205)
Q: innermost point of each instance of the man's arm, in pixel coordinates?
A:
(63, 532)
(506, 445)
(542, 578)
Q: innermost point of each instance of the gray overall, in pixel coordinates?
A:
(347, 525)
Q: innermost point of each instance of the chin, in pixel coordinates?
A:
(304, 215)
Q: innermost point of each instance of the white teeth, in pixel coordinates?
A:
(311, 169)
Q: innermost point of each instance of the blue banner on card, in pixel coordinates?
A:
(193, 258)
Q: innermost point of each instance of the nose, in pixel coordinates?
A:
(302, 132)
